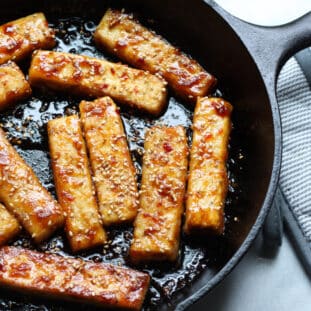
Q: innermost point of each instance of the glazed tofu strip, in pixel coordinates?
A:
(73, 183)
(72, 279)
(20, 37)
(24, 196)
(13, 85)
(9, 226)
(157, 226)
(207, 183)
(121, 34)
(113, 169)
(87, 76)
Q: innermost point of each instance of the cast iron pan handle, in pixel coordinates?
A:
(270, 48)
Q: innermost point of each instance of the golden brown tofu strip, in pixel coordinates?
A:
(157, 225)
(121, 34)
(207, 183)
(73, 183)
(87, 76)
(22, 36)
(9, 226)
(13, 85)
(113, 169)
(67, 278)
(24, 196)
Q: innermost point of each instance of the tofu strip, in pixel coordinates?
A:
(24, 196)
(208, 182)
(19, 38)
(9, 226)
(72, 279)
(112, 166)
(122, 35)
(157, 226)
(73, 183)
(87, 76)
(13, 85)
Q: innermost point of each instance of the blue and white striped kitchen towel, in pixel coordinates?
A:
(294, 98)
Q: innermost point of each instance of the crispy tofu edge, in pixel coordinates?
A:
(72, 271)
(223, 110)
(17, 95)
(39, 78)
(92, 157)
(138, 63)
(100, 232)
(12, 226)
(48, 44)
(60, 220)
(138, 255)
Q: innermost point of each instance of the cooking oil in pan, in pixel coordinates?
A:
(26, 128)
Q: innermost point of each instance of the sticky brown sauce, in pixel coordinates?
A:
(26, 128)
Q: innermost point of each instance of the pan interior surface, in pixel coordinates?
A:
(199, 31)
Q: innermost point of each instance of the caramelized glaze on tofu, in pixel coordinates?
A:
(24, 196)
(114, 172)
(157, 226)
(208, 182)
(121, 34)
(9, 226)
(19, 38)
(13, 85)
(67, 278)
(73, 183)
(92, 77)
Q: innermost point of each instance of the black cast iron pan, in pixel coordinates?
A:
(245, 59)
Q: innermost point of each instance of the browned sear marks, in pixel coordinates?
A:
(73, 183)
(24, 196)
(121, 34)
(208, 181)
(13, 85)
(67, 278)
(19, 38)
(92, 77)
(9, 226)
(114, 172)
(157, 226)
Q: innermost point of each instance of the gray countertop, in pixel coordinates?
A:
(261, 283)
(266, 12)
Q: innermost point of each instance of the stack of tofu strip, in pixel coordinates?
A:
(101, 191)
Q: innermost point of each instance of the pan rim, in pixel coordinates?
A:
(270, 88)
